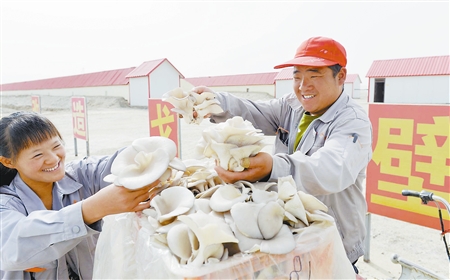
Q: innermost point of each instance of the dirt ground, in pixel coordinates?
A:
(112, 125)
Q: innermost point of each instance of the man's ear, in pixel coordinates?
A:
(6, 162)
(342, 75)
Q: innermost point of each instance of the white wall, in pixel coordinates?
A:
(283, 87)
(139, 91)
(185, 85)
(118, 91)
(163, 79)
(414, 90)
(352, 89)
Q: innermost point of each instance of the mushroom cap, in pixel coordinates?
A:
(144, 162)
(172, 202)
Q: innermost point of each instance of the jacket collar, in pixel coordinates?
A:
(328, 116)
(32, 202)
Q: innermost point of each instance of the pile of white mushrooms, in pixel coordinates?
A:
(201, 219)
(197, 216)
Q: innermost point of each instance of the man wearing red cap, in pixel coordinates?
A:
(323, 137)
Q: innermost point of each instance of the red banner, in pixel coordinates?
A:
(162, 121)
(79, 118)
(411, 151)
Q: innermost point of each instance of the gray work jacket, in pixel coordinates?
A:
(330, 161)
(32, 236)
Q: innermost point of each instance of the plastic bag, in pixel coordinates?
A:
(125, 250)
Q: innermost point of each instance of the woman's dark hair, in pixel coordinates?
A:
(18, 131)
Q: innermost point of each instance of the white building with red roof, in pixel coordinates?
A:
(421, 80)
(136, 84)
(151, 80)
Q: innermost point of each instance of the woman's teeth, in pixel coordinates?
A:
(308, 96)
(51, 169)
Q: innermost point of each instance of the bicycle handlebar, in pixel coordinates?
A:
(410, 193)
(426, 197)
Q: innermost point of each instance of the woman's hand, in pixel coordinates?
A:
(117, 199)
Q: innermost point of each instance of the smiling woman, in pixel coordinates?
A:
(52, 211)
(25, 145)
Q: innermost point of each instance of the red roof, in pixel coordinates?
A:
(351, 78)
(234, 80)
(285, 74)
(147, 67)
(105, 78)
(420, 66)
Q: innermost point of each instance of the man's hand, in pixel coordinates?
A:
(256, 168)
(201, 89)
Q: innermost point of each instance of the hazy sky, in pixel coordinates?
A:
(46, 39)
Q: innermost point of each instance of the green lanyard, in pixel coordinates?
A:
(304, 123)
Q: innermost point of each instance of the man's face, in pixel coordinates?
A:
(316, 88)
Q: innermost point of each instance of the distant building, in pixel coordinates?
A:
(283, 82)
(135, 84)
(421, 80)
(352, 86)
(256, 83)
(151, 80)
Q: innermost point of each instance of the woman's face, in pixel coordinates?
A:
(42, 164)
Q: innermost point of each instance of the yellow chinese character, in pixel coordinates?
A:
(163, 118)
(394, 161)
(436, 146)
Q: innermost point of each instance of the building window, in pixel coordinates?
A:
(379, 90)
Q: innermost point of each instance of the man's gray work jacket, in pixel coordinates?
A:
(330, 161)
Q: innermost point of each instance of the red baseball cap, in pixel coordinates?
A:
(318, 51)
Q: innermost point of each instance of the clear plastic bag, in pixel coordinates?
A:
(125, 250)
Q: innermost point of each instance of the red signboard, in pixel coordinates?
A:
(162, 121)
(79, 118)
(411, 151)
(36, 103)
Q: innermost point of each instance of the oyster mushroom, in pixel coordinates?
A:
(286, 188)
(172, 202)
(311, 203)
(295, 207)
(282, 243)
(182, 242)
(211, 232)
(143, 162)
(258, 220)
(185, 103)
(225, 197)
(229, 142)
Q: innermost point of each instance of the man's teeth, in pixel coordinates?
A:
(308, 96)
(51, 169)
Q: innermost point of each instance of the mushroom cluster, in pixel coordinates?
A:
(226, 219)
(201, 219)
(186, 103)
(229, 142)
